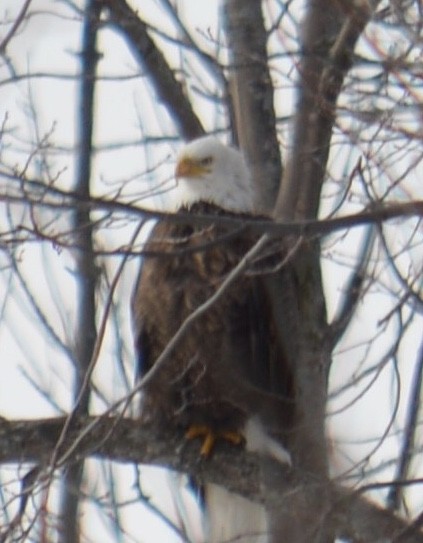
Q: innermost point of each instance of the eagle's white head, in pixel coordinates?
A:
(206, 170)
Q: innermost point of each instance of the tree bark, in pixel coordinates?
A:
(85, 331)
(252, 96)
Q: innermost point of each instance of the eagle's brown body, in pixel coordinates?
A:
(217, 372)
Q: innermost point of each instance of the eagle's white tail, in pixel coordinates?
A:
(232, 518)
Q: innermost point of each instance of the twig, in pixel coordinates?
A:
(17, 23)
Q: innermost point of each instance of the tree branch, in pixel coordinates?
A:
(410, 433)
(352, 291)
(36, 193)
(329, 38)
(128, 441)
(161, 76)
(13, 30)
(85, 329)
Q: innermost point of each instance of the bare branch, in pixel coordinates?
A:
(50, 197)
(353, 291)
(85, 331)
(167, 87)
(329, 37)
(129, 441)
(410, 431)
(17, 23)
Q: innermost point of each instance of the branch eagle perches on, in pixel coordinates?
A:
(123, 440)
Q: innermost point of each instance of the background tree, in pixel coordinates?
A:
(324, 98)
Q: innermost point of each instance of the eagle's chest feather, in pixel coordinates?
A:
(197, 383)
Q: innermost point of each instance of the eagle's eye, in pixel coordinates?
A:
(206, 161)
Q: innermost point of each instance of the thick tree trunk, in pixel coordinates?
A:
(252, 97)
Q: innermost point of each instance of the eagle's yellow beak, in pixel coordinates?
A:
(187, 167)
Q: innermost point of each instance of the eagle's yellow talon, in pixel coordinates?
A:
(210, 437)
(208, 444)
(197, 430)
(232, 437)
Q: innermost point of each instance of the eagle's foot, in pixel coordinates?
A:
(210, 437)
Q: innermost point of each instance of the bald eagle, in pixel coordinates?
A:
(217, 383)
